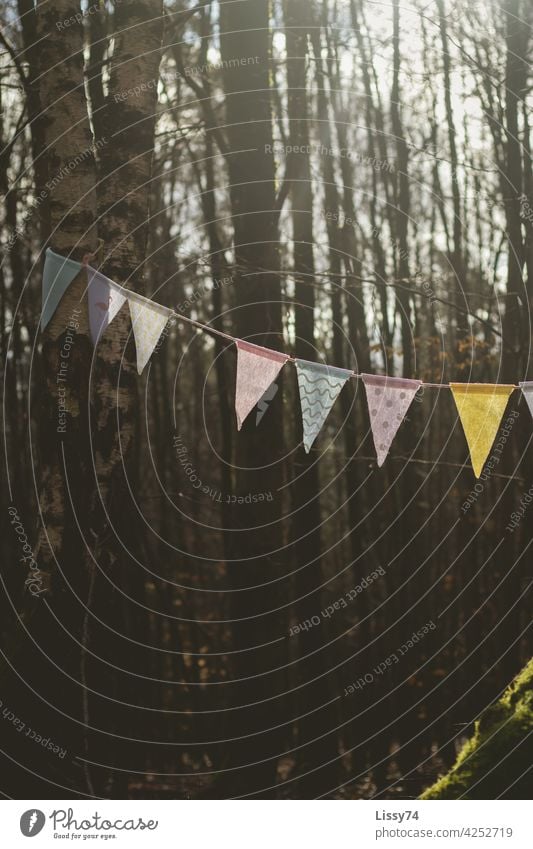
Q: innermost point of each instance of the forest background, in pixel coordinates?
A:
(348, 181)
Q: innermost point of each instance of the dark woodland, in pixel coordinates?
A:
(346, 181)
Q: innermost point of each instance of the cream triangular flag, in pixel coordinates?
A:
(105, 300)
(481, 407)
(58, 274)
(257, 368)
(148, 320)
(388, 399)
(319, 387)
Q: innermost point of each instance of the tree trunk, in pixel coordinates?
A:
(64, 447)
(515, 328)
(402, 201)
(496, 761)
(316, 725)
(258, 558)
(128, 124)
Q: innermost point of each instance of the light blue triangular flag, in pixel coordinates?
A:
(58, 274)
(319, 387)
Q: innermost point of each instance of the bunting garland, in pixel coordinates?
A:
(480, 406)
(105, 299)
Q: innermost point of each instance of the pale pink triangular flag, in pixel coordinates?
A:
(148, 320)
(388, 398)
(257, 368)
(105, 300)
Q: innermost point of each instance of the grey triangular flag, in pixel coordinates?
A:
(527, 391)
(58, 274)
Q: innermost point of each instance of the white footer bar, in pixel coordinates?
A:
(268, 825)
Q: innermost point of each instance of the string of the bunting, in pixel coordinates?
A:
(480, 406)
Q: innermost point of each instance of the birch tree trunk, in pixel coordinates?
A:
(72, 204)
(117, 569)
(50, 655)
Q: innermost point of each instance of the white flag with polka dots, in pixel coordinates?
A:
(148, 320)
(388, 399)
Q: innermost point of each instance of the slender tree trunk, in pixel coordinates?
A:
(316, 725)
(258, 565)
(64, 449)
(128, 124)
(457, 258)
(515, 83)
(36, 116)
(401, 200)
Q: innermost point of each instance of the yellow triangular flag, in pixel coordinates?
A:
(481, 407)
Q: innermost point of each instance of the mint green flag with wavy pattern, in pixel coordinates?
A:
(319, 387)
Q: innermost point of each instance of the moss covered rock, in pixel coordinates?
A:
(498, 761)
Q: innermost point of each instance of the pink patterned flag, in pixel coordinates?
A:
(105, 300)
(388, 398)
(257, 368)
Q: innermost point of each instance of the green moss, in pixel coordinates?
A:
(497, 761)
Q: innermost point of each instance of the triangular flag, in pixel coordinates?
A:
(481, 407)
(58, 274)
(388, 399)
(148, 320)
(527, 392)
(257, 368)
(105, 299)
(319, 387)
